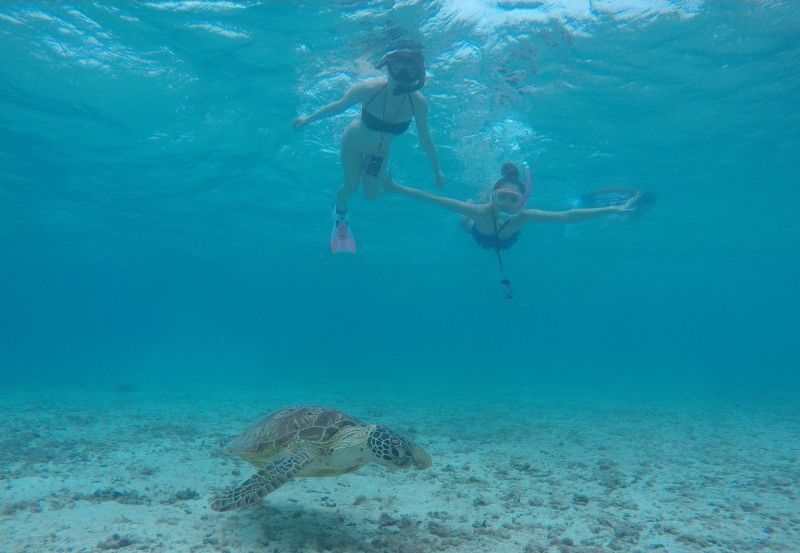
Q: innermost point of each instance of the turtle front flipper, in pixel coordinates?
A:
(265, 481)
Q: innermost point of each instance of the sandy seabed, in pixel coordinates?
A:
(133, 469)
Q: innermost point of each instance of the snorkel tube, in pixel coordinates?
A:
(411, 77)
(526, 171)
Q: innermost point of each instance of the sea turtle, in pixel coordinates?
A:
(311, 441)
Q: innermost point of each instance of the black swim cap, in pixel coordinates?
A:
(510, 176)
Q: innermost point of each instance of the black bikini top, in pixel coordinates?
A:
(374, 123)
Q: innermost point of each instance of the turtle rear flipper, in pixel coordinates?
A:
(265, 481)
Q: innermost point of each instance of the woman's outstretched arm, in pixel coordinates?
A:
(353, 95)
(577, 215)
(468, 209)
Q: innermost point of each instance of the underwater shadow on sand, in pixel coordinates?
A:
(308, 528)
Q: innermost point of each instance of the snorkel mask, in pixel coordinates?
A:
(511, 202)
(407, 68)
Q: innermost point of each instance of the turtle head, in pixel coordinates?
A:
(393, 450)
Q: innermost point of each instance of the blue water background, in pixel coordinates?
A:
(160, 221)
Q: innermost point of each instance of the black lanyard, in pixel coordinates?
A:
(383, 112)
(504, 282)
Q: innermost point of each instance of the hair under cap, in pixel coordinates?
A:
(510, 175)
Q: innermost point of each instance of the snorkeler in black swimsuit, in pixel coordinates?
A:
(408, 70)
(367, 141)
(374, 163)
(506, 214)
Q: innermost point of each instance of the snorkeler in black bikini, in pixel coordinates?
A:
(366, 142)
(496, 225)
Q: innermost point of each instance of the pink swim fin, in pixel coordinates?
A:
(342, 240)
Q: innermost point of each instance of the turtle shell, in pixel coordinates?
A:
(287, 427)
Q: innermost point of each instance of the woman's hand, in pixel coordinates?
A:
(299, 123)
(630, 205)
(440, 181)
(389, 185)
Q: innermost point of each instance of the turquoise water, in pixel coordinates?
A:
(160, 216)
(165, 275)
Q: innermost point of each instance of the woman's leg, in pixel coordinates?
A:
(352, 166)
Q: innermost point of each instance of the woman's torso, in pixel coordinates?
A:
(486, 222)
(491, 231)
(389, 115)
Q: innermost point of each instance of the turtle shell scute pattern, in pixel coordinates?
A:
(299, 424)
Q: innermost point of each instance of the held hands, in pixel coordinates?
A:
(299, 123)
(630, 205)
(440, 181)
(389, 185)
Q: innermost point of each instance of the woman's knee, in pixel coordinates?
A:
(349, 188)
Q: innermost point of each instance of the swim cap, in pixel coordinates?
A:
(510, 176)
